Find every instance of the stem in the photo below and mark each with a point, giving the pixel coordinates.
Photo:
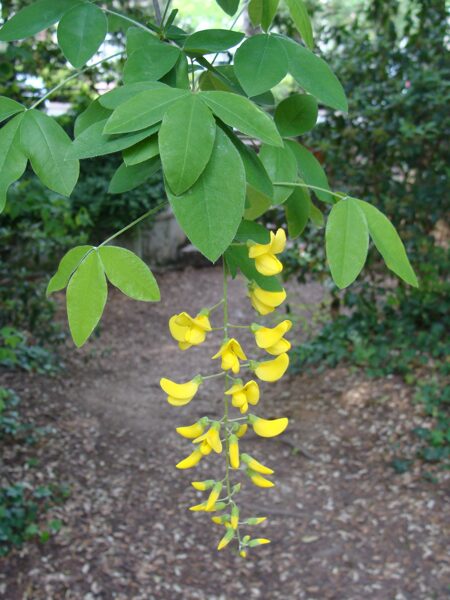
(226, 404)
(235, 20)
(239, 326)
(129, 19)
(216, 305)
(157, 12)
(73, 76)
(150, 212)
(311, 187)
(221, 374)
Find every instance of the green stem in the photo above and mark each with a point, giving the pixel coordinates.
(221, 374)
(150, 212)
(235, 20)
(165, 11)
(239, 326)
(311, 187)
(74, 76)
(226, 398)
(129, 19)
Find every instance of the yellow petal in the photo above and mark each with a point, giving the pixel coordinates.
(180, 391)
(261, 481)
(190, 461)
(177, 331)
(237, 387)
(244, 408)
(273, 299)
(237, 349)
(258, 467)
(269, 336)
(213, 438)
(178, 402)
(205, 448)
(184, 320)
(234, 452)
(184, 345)
(278, 242)
(242, 430)
(268, 265)
(260, 307)
(269, 428)
(239, 399)
(251, 390)
(256, 250)
(280, 347)
(272, 370)
(195, 335)
(230, 362)
(191, 431)
(203, 322)
(226, 539)
(202, 486)
(213, 497)
(198, 507)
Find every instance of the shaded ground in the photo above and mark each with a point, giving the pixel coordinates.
(344, 526)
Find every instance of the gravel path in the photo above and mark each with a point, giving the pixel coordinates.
(344, 525)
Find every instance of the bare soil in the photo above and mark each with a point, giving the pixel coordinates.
(343, 524)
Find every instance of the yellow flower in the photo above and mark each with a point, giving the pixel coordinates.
(271, 370)
(211, 439)
(259, 480)
(242, 430)
(243, 395)
(221, 520)
(264, 254)
(202, 486)
(258, 542)
(234, 522)
(253, 464)
(255, 520)
(214, 496)
(234, 452)
(190, 461)
(271, 338)
(192, 431)
(205, 508)
(189, 331)
(180, 394)
(265, 302)
(226, 538)
(268, 428)
(231, 352)
(243, 554)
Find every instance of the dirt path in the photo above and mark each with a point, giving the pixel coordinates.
(344, 526)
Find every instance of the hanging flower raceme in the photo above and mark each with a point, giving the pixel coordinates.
(264, 254)
(189, 331)
(230, 353)
(225, 435)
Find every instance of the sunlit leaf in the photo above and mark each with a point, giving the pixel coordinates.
(12, 160)
(67, 266)
(310, 170)
(212, 40)
(81, 32)
(129, 274)
(281, 167)
(9, 108)
(300, 16)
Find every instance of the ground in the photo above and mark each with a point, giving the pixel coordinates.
(343, 524)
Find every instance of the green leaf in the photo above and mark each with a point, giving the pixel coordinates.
(347, 241)
(143, 110)
(212, 40)
(93, 142)
(281, 166)
(81, 32)
(86, 298)
(296, 115)
(298, 211)
(178, 76)
(211, 210)
(138, 38)
(66, 268)
(46, 144)
(388, 243)
(12, 160)
(241, 113)
(150, 64)
(229, 6)
(300, 16)
(94, 113)
(129, 273)
(314, 75)
(128, 178)
(310, 170)
(259, 187)
(316, 216)
(249, 230)
(260, 63)
(34, 18)
(186, 140)
(141, 152)
(121, 94)
(9, 107)
(237, 258)
(262, 12)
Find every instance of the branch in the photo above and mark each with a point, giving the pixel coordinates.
(157, 12)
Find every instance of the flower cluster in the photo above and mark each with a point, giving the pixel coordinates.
(224, 436)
